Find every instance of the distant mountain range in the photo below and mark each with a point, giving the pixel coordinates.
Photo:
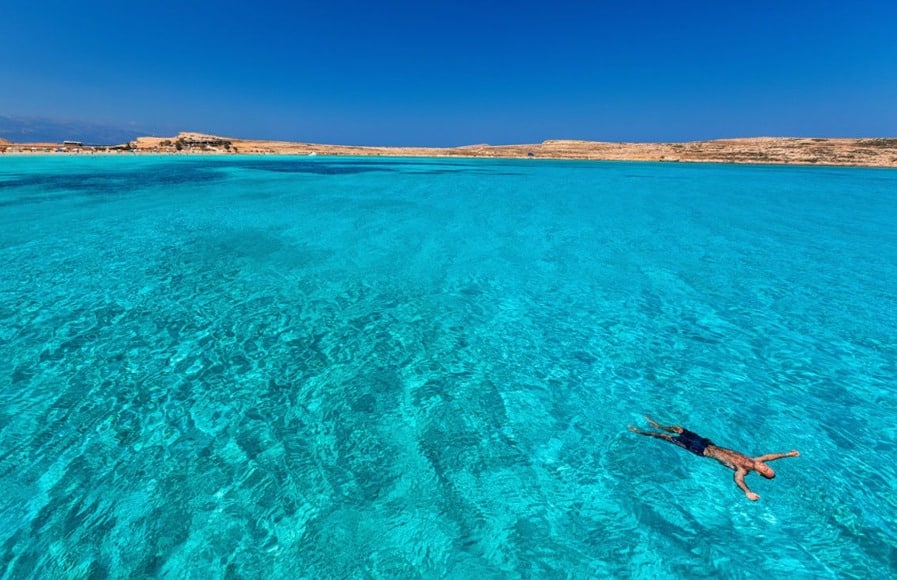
(45, 130)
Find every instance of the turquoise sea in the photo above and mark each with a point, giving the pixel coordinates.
(258, 367)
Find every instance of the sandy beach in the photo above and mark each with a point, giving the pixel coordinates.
(865, 152)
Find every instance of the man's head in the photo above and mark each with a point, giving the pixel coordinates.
(764, 470)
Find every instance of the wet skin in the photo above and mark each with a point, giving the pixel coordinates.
(739, 462)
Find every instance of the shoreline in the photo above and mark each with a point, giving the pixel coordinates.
(856, 152)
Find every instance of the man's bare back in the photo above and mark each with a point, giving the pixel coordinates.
(739, 462)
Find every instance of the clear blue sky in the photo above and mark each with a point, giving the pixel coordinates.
(456, 72)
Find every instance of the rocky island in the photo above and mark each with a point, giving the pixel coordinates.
(866, 152)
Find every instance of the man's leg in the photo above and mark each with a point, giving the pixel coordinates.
(663, 436)
(670, 428)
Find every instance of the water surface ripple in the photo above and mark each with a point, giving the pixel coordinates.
(339, 368)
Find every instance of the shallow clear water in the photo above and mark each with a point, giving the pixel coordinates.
(293, 367)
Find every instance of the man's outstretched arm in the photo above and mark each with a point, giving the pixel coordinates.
(739, 480)
(774, 456)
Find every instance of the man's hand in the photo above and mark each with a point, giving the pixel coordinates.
(752, 496)
(793, 453)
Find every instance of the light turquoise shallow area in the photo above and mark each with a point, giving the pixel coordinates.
(335, 368)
